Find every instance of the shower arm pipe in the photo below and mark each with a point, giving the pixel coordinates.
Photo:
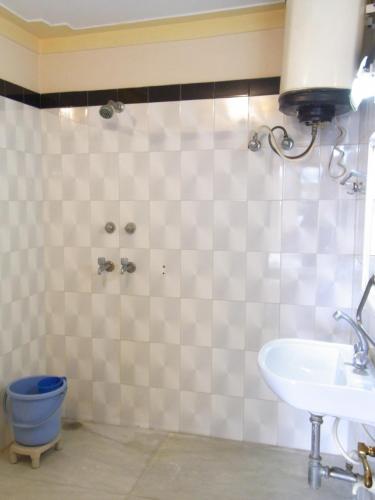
(277, 149)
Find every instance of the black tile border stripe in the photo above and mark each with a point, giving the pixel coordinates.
(160, 93)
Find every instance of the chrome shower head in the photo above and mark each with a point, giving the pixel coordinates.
(107, 110)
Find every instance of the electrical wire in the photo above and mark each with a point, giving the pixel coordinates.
(351, 457)
(342, 168)
(276, 148)
(368, 432)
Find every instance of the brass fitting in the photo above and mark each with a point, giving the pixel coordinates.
(363, 452)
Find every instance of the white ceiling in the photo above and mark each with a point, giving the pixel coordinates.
(79, 14)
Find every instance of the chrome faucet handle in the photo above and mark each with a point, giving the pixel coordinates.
(361, 347)
(124, 265)
(105, 266)
(127, 266)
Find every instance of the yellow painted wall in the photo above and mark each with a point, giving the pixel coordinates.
(245, 55)
(19, 64)
(238, 44)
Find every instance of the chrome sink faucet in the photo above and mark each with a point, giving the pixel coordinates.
(361, 347)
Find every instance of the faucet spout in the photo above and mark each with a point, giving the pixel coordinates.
(361, 348)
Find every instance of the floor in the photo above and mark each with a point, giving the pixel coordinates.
(102, 462)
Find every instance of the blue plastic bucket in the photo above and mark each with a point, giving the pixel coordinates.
(48, 384)
(35, 417)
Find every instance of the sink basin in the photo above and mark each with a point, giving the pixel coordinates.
(318, 377)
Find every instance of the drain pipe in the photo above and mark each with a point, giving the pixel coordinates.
(316, 469)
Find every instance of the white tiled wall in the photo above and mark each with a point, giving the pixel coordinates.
(22, 341)
(232, 249)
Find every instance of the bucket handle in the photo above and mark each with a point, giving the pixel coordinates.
(31, 426)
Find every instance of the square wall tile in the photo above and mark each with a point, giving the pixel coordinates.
(165, 273)
(300, 226)
(135, 318)
(101, 213)
(165, 176)
(229, 324)
(103, 134)
(196, 322)
(135, 363)
(196, 225)
(133, 130)
(195, 413)
(136, 212)
(54, 310)
(107, 282)
(229, 275)
(106, 360)
(78, 320)
(263, 277)
(231, 123)
(336, 227)
(197, 175)
(228, 372)
(227, 415)
(164, 126)
(297, 321)
(334, 279)
(197, 124)
(196, 274)
(196, 369)
(165, 224)
(231, 172)
(263, 110)
(104, 176)
(255, 386)
(165, 320)
(135, 408)
(298, 279)
(137, 283)
(75, 171)
(262, 324)
(76, 223)
(78, 269)
(302, 179)
(106, 402)
(79, 401)
(165, 366)
(79, 358)
(264, 226)
(105, 313)
(265, 175)
(134, 176)
(260, 421)
(164, 409)
(230, 224)
(56, 357)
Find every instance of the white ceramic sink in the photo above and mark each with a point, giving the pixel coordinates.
(318, 377)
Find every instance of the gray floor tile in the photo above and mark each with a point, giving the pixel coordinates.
(190, 467)
(105, 459)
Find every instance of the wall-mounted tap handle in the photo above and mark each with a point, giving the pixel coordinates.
(363, 452)
(105, 266)
(127, 266)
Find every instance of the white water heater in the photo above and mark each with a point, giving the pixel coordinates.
(322, 47)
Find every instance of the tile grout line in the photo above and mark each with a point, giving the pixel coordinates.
(148, 462)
